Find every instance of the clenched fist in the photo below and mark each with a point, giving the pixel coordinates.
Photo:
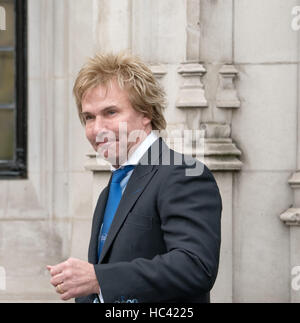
(74, 278)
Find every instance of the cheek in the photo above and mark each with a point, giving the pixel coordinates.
(89, 134)
(135, 123)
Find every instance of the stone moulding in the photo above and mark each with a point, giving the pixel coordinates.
(294, 181)
(222, 155)
(216, 150)
(218, 155)
(227, 97)
(159, 71)
(95, 164)
(191, 93)
(220, 151)
(291, 217)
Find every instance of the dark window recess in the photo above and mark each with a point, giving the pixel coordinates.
(13, 90)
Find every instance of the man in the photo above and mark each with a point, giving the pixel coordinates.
(156, 227)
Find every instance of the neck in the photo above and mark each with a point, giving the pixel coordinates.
(132, 148)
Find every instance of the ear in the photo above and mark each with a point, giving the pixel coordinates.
(146, 121)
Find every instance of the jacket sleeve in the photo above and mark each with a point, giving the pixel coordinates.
(190, 211)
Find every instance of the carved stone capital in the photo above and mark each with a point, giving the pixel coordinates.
(227, 93)
(191, 93)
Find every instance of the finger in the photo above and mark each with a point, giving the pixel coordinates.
(66, 296)
(49, 267)
(57, 269)
(57, 279)
(61, 289)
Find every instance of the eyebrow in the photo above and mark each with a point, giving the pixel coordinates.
(103, 110)
(83, 115)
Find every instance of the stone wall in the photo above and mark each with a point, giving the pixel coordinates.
(240, 61)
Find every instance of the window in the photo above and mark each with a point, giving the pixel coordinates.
(13, 96)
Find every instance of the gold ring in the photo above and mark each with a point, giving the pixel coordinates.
(59, 290)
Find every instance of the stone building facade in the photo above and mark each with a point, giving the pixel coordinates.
(229, 67)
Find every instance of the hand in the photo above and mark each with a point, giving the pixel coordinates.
(74, 278)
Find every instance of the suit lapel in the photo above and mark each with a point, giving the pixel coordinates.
(97, 220)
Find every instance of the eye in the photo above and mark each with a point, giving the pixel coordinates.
(111, 112)
(87, 117)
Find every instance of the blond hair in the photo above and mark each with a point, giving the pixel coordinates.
(145, 93)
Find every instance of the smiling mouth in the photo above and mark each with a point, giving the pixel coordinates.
(103, 143)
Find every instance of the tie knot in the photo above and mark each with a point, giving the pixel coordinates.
(121, 173)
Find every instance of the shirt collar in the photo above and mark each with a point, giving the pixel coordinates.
(140, 151)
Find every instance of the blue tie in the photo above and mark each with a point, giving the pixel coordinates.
(114, 198)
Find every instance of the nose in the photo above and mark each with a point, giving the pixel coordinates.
(101, 132)
(98, 129)
(98, 126)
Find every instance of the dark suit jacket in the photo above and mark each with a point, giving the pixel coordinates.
(164, 242)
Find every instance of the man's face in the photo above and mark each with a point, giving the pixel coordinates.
(113, 127)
